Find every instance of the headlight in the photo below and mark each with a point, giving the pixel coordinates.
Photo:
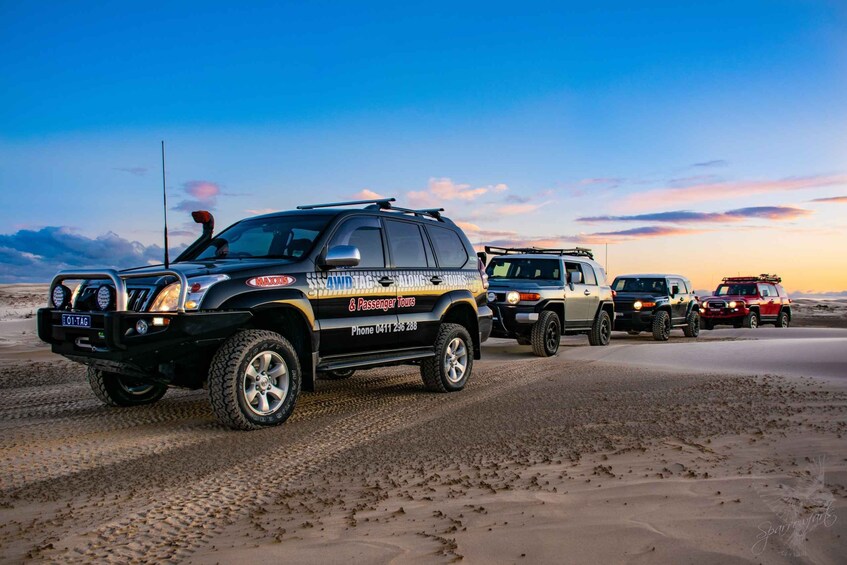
(168, 299)
(513, 297)
(733, 304)
(637, 305)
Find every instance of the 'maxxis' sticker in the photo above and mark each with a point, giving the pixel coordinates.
(271, 281)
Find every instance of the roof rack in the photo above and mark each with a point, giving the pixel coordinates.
(764, 277)
(576, 251)
(379, 204)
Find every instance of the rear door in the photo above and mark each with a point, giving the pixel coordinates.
(357, 305)
(592, 301)
(770, 304)
(418, 283)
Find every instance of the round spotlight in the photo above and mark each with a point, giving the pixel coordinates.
(61, 296)
(141, 327)
(104, 297)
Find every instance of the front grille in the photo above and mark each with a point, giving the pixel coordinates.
(137, 299)
(717, 304)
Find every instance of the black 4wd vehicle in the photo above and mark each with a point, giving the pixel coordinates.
(656, 303)
(258, 311)
(538, 295)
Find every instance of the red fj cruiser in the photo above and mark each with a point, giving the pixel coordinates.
(747, 301)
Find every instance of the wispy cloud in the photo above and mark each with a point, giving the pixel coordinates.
(202, 194)
(261, 211)
(712, 163)
(646, 232)
(367, 194)
(137, 171)
(36, 255)
(833, 199)
(686, 216)
(704, 192)
(441, 189)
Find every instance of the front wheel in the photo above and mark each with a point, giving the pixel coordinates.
(451, 367)
(661, 326)
(692, 326)
(114, 389)
(783, 320)
(601, 329)
(254, 380)
(751, 320)
(546, 334)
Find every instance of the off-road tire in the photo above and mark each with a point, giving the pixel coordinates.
(546, 334)
(228, 370)
(114, 389)
(708, 325)
(601, 329)
(338, 375)
(692, 326)
(434, 371)
(524, 340)
(751, 320)
(783, 320)
(661, 326)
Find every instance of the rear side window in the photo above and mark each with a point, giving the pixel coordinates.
(449, 248)
(365, 233)
(588, 274)
(406, 244)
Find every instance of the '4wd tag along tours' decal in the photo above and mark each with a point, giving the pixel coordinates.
(334, 284)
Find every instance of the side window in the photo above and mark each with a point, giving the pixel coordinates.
(406, 244)
(449, 248)
(679, 284)
(365, 233)
(572, 268)
(763, 291)
(771, 290)
(588, 274)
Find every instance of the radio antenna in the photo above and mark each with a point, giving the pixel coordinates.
(165, 201)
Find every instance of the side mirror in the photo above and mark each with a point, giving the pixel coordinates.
(342, 256)
(674, 290)
(483, 256)
(576, 277)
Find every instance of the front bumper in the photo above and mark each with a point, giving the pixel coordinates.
(723, 314)
(640, 320)
(510, 321)
(112, 342)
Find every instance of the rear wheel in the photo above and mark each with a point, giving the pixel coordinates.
(114, 389)
(546, 334)
(254, 380)
(692, 327)
(601, 330)
(661, 326)
(751, 320)
(783, 320)
(451, 367)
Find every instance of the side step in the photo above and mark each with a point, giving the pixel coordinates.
(337, 362)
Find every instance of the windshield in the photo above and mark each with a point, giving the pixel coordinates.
(281, 237)
(648, 285)
(736, 290)
(533, 269)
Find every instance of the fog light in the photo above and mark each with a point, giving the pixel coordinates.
(492, 297)
(104, 297)
(61, 296)
(702, 310)
(141, 327)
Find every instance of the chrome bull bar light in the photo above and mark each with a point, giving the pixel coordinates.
(119, 280)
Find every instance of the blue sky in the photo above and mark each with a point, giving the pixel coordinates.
(522, 122)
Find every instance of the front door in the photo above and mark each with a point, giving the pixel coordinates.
(577, 297)
(357, 305)
(678, 300)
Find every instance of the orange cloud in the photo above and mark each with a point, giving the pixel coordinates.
(367, 194)
(441, 189)
(724, 190)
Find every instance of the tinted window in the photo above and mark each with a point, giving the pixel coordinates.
(532, 269)
(283, 237)
(680, 286)
(449, 248)
(406, 244)
(588, 274)
(365, 233)
(650, 285)
(736, 290)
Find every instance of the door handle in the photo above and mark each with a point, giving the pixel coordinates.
(386, 281)
(587, 292)
(436, 280)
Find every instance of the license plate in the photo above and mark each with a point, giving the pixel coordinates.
(76, 320)
(715, 310)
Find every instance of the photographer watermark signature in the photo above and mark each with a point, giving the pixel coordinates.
(801, 508)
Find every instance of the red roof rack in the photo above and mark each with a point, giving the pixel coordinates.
(765, 278)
